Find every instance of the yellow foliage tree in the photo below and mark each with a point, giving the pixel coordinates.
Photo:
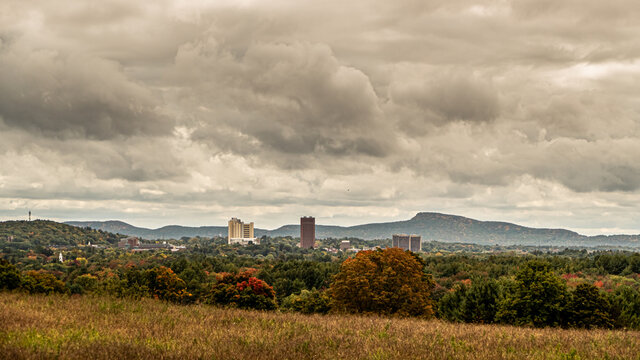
(166, 285)
(390, 281)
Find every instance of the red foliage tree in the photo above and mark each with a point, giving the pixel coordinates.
(242, 290)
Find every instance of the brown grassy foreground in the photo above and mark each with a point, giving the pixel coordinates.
(106, 328)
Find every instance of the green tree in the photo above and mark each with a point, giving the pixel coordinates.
(478, 303)
(292, 276)
(588, 308)
(451, 305)
(307, 302)
(9, 275)
(42, 282)
(87, 282)
(389, 281)
(612, 263)
(481, 302)
(538, 298)
(625, 307)
(132, 282)
(634, 264)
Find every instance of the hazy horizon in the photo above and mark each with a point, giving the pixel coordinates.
(154, 226)
(180, 112)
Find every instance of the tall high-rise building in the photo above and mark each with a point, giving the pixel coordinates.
(247, 230)
(235, 228)
(240, 232)
(407, 242)
(307, 232)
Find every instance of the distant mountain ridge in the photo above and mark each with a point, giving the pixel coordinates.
(165, 232)
(430, 225)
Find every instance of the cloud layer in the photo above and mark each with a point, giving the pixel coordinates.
(186, 112)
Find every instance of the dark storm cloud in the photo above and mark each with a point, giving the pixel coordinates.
(521, 104)
(441, 98)
(74, 96)
(604, 165)
(294, 98)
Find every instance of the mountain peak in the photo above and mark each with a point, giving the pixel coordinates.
(425, 215)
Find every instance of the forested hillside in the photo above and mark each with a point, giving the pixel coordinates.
(45, 233)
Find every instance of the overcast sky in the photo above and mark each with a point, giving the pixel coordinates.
(191, 112)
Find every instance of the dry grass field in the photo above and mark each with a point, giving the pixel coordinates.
(104, 328)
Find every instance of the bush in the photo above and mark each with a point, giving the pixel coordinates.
(76, 289)
(307, 302)
(242, 290)
(87, 282)
(42, 282)
(9, 276)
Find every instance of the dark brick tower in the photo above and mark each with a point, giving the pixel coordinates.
(307, 232)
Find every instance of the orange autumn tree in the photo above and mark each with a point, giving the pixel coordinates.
(390, 281)
(166, 285)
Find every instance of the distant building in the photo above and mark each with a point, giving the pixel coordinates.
(345, 245)
(307, 232)
(149, 247)
(407, 242)
(235, 228)
(241, 233)
(175, 248)
(247, 230)
(129, 242)
(133, 243)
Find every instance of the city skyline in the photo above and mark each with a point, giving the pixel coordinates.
(188, 113)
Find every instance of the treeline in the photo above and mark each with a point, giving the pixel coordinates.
(210, 280)
(571, 289)
(568, 261)
(546, 290)
(535, 296)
